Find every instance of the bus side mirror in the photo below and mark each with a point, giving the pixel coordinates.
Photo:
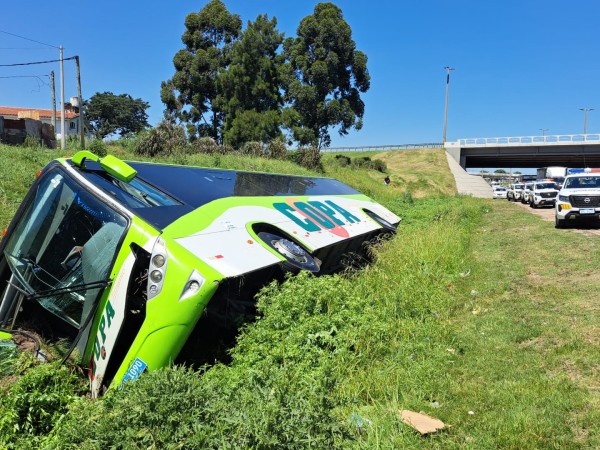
(80, 157)
(110, 164)
(118, 168)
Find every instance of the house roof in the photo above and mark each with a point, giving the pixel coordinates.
(44, 113)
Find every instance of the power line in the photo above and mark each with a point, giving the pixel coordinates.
(27, 39)
(40, 81)
(22, 48)
(37, 62)
(39, 77)
(26, 76)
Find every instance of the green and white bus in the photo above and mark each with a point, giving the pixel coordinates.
(137, 264)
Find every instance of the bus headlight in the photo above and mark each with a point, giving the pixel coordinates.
(156, 276)
(158, 266)
(159, 260)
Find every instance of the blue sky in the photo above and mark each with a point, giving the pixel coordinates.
(521, 65)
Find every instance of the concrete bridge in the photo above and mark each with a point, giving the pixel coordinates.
(569, 150)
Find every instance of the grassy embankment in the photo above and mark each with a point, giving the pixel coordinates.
(478, 313)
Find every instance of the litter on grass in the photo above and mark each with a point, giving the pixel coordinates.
(423, 423)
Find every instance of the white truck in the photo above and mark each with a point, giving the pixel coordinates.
(543, 193)
(552, 173)
(578, 199)
(514, 192)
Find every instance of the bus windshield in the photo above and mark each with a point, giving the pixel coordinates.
(65, 240)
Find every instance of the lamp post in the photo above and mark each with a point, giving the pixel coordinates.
(585, 114)
(543, 130)
(448, 70)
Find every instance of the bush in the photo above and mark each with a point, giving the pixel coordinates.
(252, 148)
(362, 162)
(165, 139)
(309, 157)
(205, 145)
(367, 163)
(31, 142)
(127, 141)
(379, 165)
(98, 148)
(277, 149)
(72, 142)
(35, 403)
(343, 160)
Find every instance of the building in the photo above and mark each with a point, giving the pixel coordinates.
(45, 116)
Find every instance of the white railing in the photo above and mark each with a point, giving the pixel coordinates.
(380, 148)
(530, 140)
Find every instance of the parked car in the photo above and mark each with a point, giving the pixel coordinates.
(499, 192)
(543, 193)
(526, 194)
(514, 192)
(579, 199)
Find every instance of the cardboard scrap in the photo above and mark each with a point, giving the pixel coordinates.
(423, 423)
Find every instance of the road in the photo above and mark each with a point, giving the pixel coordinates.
(547, 213)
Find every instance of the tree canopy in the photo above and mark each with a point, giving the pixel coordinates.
(238, 86)
(191, 95)
(325, 76)
(108, 113)
(249, 89)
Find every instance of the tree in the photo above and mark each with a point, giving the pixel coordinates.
(499, 171)
(249, 90)
(108, 113)
(325, 76)
(190, 96)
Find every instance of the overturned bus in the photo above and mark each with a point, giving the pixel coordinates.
(136, 263)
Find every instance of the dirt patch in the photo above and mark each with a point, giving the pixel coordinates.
(24, 343)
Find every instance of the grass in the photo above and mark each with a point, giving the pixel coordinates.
(478, 313)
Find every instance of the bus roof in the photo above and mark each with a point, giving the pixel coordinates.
(194, 187)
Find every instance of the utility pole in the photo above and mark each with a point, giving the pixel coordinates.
(63, 140)
(585, 114)
(81, 131)
(53, 89)
(448, 69)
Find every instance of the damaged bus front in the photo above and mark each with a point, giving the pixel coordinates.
(137, 263)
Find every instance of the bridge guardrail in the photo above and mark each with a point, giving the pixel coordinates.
(528, 140)
(373, 148)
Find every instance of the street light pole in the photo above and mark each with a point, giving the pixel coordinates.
(585, 114)
(543, 130)
(63, 138)
(448, 69)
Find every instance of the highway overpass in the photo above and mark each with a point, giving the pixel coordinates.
(571, 150)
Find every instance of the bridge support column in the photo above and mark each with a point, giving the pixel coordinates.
(454, 150)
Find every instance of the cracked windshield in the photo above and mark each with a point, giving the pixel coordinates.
(63, 247)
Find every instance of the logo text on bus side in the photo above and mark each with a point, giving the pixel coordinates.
(316, 215)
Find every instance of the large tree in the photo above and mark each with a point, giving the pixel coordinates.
(108, 113)
(325, 76)
(190, 96)
(249, 90)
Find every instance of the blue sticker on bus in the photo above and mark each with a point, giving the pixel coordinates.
(135, 370)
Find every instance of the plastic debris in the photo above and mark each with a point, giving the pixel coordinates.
(359, 422)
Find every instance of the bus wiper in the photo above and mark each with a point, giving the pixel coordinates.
(62, 290)
(68, 289)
